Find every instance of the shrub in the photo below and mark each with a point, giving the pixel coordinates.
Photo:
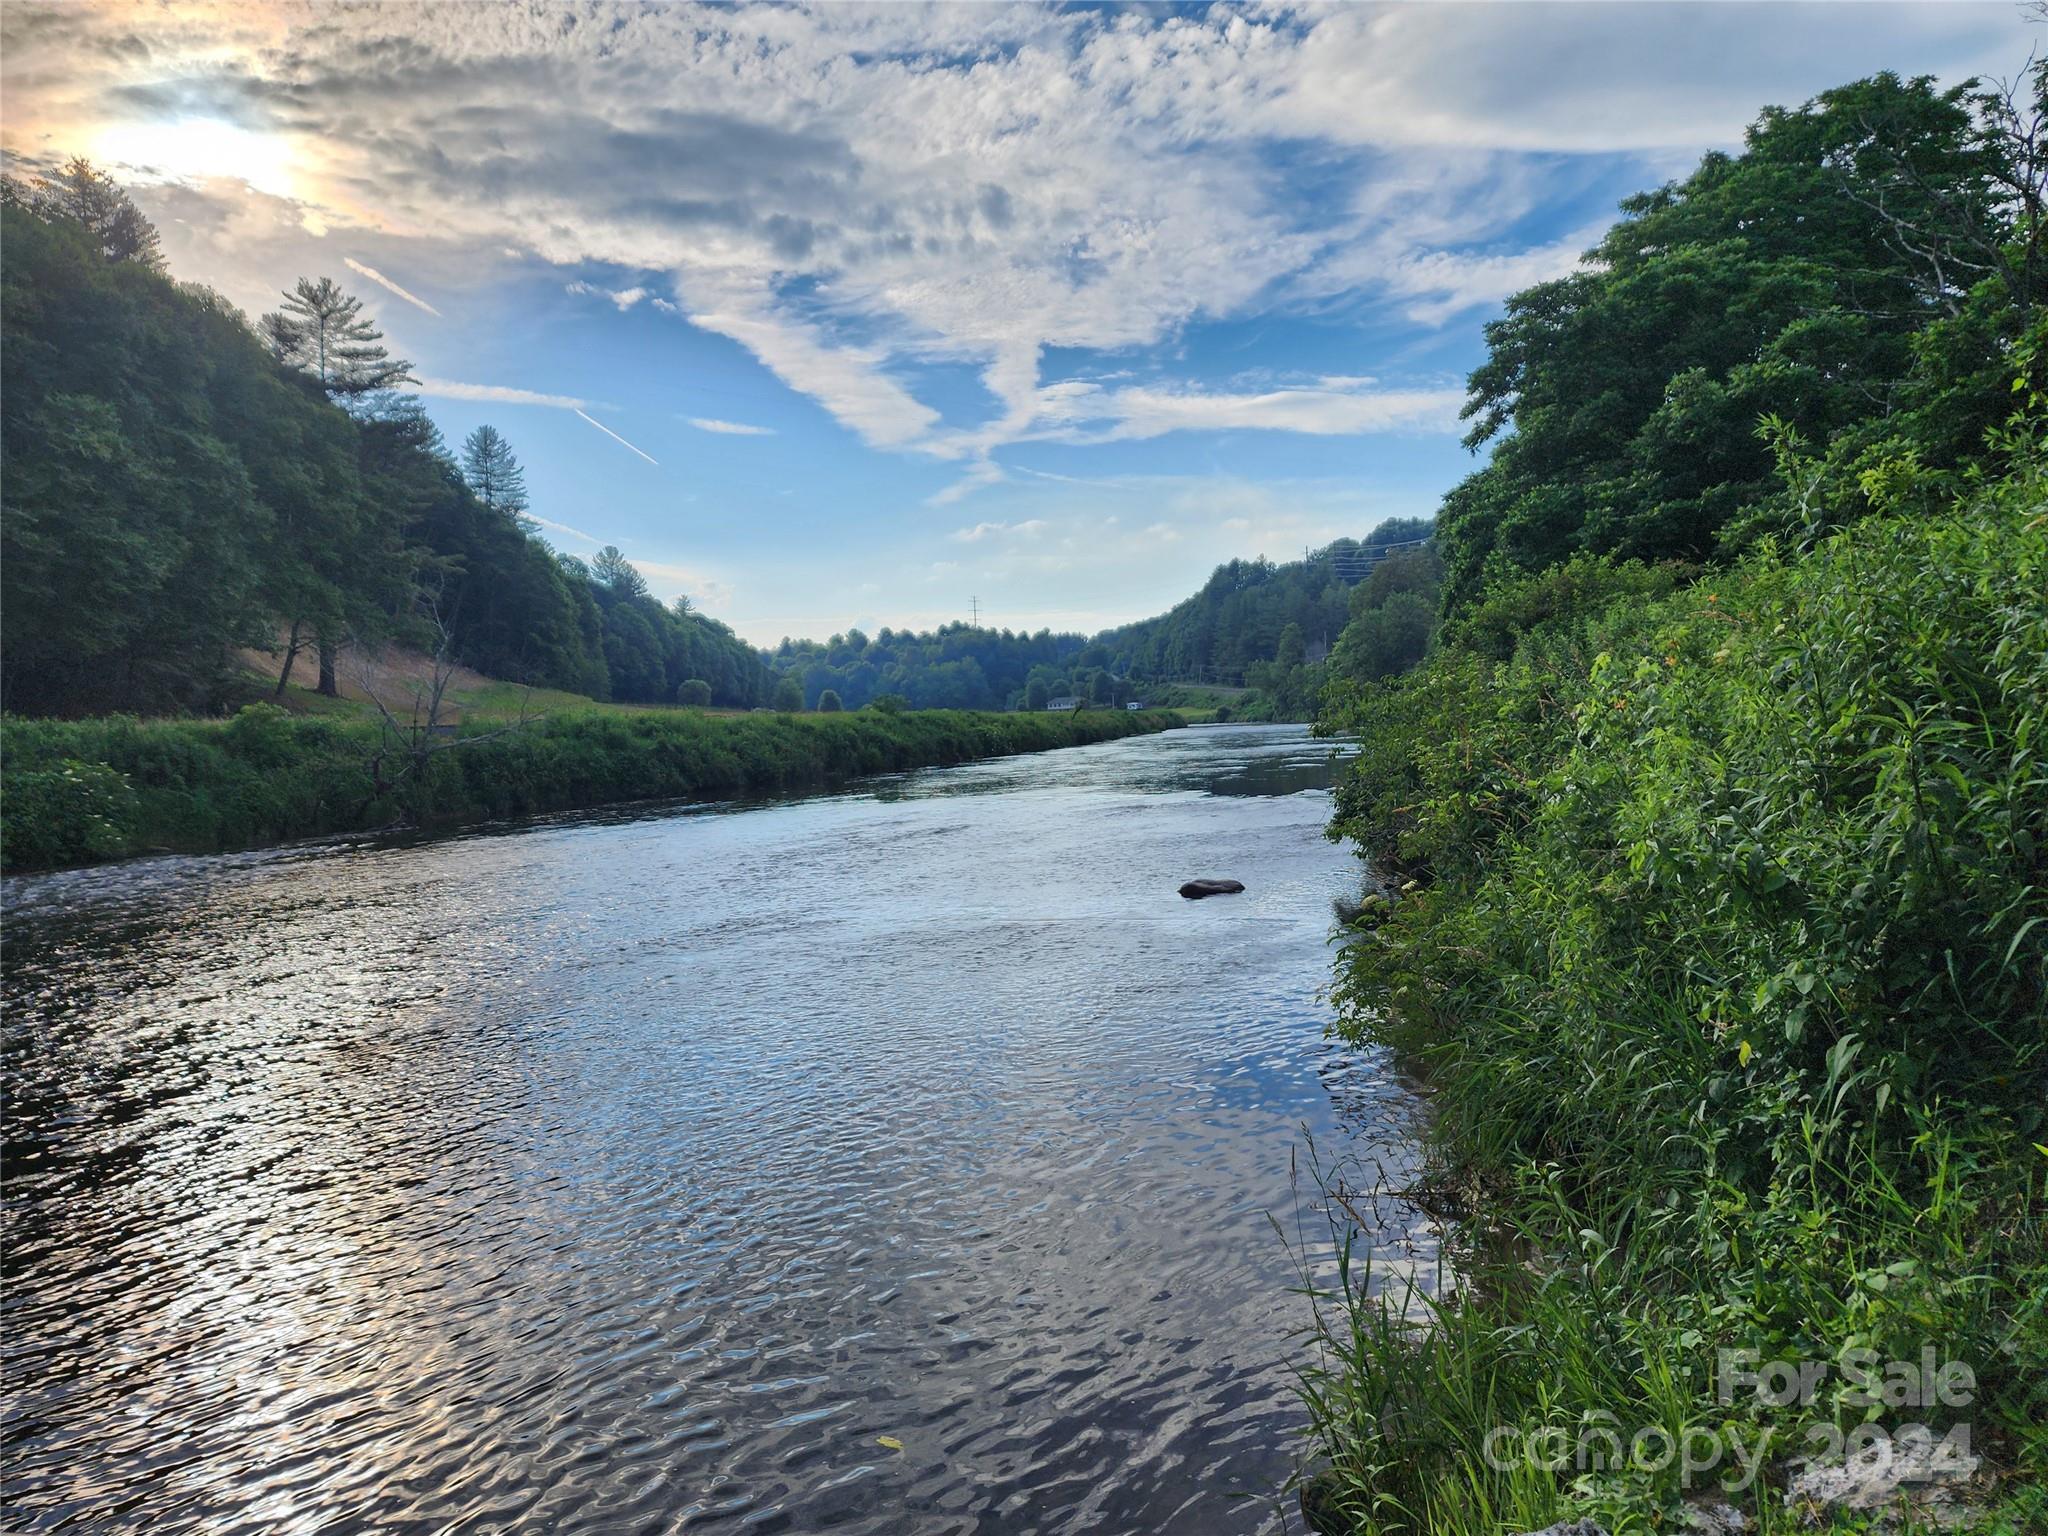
(828, 703)
(71, 813)
(82, 790)
(1727, 967)
(694, 693)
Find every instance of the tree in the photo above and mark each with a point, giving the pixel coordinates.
(1826, 277)
(1290, 649)
(612, 570)
(828, 703)
(493, 474)
(789, 694)
(82, 192)
(320, 331)
(695, 693)
(1036, 694)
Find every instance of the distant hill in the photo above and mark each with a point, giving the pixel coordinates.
(1224, 634)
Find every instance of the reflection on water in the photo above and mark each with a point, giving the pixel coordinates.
(633, 1172)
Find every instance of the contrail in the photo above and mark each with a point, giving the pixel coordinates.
(608, 432)
(384, 282)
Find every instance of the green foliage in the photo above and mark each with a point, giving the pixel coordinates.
(1728, 964)
(1859, 273)
(695, 693)
(828, 703)
(320, 331)
(1393, 615)
(888, 704)
(789, 694)
(83, 195)
(173, 492)
(70, 812)
(1235, 631)
(78, 791)
(1241, 617)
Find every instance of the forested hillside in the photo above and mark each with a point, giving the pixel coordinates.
(180, 484)
(1253, 624)
(1711, 831)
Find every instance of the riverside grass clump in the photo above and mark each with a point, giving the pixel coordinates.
(74, 792)
(1724, 963)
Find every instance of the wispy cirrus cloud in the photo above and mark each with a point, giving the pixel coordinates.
(728, 428)
(363, 270)
(497, 394)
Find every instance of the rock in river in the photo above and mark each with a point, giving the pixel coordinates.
(1195, 890)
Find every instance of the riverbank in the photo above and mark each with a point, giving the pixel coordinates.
(86, 791)
(1720, 942)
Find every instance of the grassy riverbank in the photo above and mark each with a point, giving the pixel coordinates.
(75, 792)
(1725, 958)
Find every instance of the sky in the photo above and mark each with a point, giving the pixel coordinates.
(879, 314)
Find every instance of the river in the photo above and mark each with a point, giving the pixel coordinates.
(903, 1159)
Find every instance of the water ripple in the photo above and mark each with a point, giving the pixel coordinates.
(898, 1159)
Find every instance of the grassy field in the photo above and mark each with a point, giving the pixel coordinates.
(82, 791)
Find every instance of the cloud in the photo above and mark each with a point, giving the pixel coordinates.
(554, 527)
(1029, 528)
(1332, 407)
(624, 298)
(729, 428)
(500, 394)
(608, 432)
(384, 282)
(861, 195)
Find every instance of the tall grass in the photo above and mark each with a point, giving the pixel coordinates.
(78, 791)
(1727, 966)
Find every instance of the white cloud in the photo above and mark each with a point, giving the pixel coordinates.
(1332, 407)
(384, 282)
(554, 527)
(499, 394)
(1029, 528)
(624, 298)
(729, 428)
(854, 194)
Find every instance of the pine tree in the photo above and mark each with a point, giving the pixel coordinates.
(83, 192)
(612, 569)
(320, 330)
(494, 474)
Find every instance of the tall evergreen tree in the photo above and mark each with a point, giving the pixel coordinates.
(494, 475)
(320, 330)
(614, 571)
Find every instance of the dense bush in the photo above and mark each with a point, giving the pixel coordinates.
(80, 791)
(1727, 960)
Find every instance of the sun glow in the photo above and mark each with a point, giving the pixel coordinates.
(198, 149)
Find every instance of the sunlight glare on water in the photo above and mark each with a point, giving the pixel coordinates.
(660, 1169)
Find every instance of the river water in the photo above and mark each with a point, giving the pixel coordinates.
(897, 1160)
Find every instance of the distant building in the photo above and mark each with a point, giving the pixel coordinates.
(1135, 704)
(1064, 701)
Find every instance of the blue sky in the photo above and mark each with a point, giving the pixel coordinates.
(851, 315)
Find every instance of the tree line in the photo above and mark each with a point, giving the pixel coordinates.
(1710, 827)
(1254, 623)
(182, 483)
